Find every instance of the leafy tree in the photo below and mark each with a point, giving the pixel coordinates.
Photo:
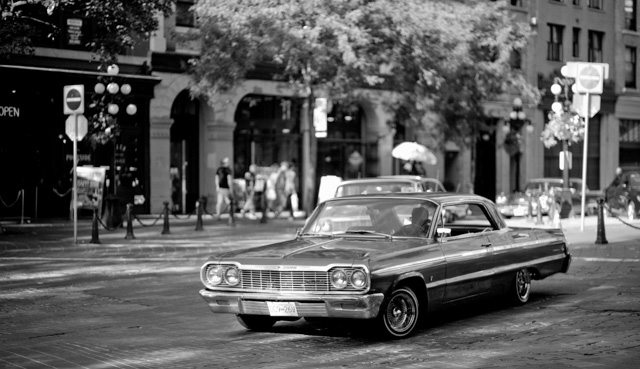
(442, 59)
(117, 22)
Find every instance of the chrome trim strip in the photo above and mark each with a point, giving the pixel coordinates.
(410, 266)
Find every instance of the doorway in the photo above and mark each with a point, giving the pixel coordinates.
(184, 153)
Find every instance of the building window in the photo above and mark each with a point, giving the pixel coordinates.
(554, 46)
(576, 43)
(629, 131)
(630, 63)
(595, 4)
(517, 3)
(576, 2)
(516, 59)
(184, 15)
(595, 46)
(630, 14)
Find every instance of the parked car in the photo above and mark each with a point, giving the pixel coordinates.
(434, 185)
(390, 258)
(429, 184)
(363, 186)
(624, 198)
(517, 203)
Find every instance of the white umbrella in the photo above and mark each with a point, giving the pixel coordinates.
(413, 151)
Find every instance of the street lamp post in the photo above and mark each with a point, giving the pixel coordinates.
(109, 96)
(513, 140)
(565, 126)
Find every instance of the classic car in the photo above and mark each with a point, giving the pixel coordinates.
(390, 258)
(363, 186)
(624, 197)
(548, 190)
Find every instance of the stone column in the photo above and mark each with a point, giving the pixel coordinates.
(160, 162)
(217, 143)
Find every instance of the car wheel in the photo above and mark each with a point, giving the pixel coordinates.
(256, 322)
(631, 211)
(521, 287)
(400, 314)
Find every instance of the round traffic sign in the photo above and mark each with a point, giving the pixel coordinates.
(589, 77)
(73, 99)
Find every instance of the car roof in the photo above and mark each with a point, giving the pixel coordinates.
(413, 177)
(553, 179)
(379, 180)
(438, 197)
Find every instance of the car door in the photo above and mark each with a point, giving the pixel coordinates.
(468, 253)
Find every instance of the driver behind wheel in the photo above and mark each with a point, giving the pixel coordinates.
(419, 223)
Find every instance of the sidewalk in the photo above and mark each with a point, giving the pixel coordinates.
(250, 232)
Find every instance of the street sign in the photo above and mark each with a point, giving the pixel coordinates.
(589, 78)
(73, 99)
(562, 159)
(70, 127)
(580, 105)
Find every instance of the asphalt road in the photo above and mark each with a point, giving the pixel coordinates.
(135, 304)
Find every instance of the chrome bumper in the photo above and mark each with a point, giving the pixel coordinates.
(344, 306)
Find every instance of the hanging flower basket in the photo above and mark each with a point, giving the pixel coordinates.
(562, 126)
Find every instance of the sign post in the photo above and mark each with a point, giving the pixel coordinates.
(589, 80)
(73, 105)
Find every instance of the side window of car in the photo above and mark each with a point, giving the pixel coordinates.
(475, 219)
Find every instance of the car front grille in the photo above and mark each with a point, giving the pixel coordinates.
(273, 280)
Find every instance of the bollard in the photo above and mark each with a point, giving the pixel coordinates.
(94, 228)
(165, 226)
(199, 219)
(129, 215)
(539, 212)
(232, 217)
(529, 208)
(601, 238)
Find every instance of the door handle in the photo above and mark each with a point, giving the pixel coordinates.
(486, 245)
(520, 235)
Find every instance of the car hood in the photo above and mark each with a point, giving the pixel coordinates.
(321, 251)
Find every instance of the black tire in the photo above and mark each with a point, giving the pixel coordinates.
(399, 315)
(520, 287)
(256, 322)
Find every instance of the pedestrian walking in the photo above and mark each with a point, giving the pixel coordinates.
(281, 195)
(250, 184)
(271, 193)
(291, 190)
(224, 183)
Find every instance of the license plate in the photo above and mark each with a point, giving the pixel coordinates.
(277, 308)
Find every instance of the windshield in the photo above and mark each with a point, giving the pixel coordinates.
(374, 187)
(381, 216)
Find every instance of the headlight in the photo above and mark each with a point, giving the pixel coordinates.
(215, 275)
(339, 278)
(232, 276)
(358, 279)
(501, 199)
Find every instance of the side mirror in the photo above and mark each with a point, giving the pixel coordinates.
(298, 231)
(442, 232)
